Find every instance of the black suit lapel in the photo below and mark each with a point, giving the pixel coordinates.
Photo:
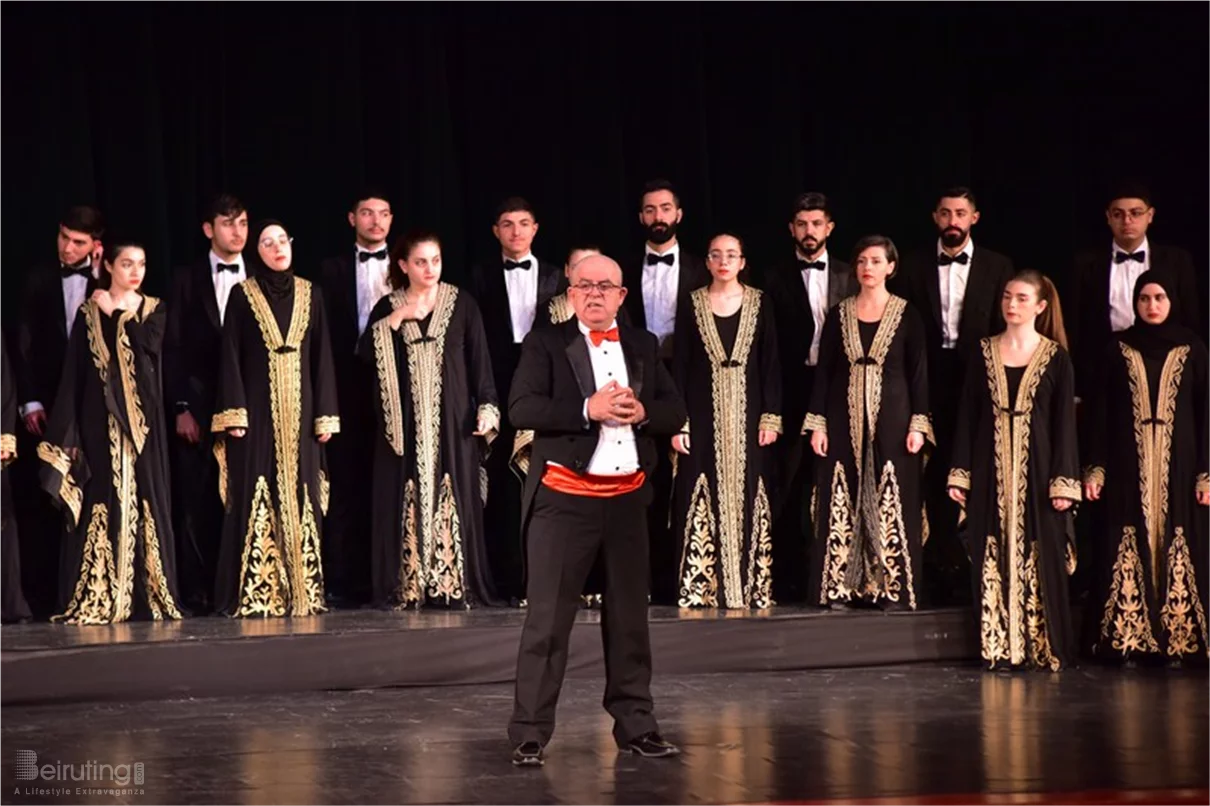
(348, 267)
(203, 286)
(634, 362)
(548, 281)
(839, 276)
(577, 355)
(633, 280)
(932, 287)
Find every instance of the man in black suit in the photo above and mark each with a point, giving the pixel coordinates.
(659, 284)
(803, 291)
(352, 284)
(197, 304)
(52, 296)
(1104, 278)
(597, 398)
(512, 293)
(956, 288)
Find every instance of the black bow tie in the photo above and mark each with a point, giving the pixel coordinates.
(381, 254)
(653, 258)
(509, 265)
(1122, 257)
(222, 267)
(944, 260)
(83, 268)
(813, 265)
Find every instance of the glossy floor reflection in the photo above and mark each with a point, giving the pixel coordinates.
(920, 733)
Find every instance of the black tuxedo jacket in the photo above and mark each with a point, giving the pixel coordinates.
(1088, 325)
(693, 275)
(920, 284)
(488, 288)
(796, 328)
(554, 377)
(337, 279)
(193, 341)
(42, 336)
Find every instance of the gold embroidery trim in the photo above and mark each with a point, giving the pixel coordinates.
(159, 595)
(263, 584)
(1064, 487)
(923, 424)
(446, 571)
(327, 424)
(894, 552)
(130, 390)
(69, 491)
(865, 382)
(814, 422)
(758, 589)
(122, 458)
(1126, 624)
(1095, 475)
(560, 309)
(1040, 653)
(699, 580)
(770, 422)
(92, 600)
(490, 414)
(229, 418)
(729, 392)
(325, 492)
(1182, 615)
(959, 478)
(220, 456)
(993, 619)
(838, 541)
(522, 450)
(409, 586)
(388, 378)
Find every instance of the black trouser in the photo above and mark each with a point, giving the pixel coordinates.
(792, 525)
(947, 570)
(346, 537)
(40, 527)
(197, 518)
(565, 535)
(502, 518)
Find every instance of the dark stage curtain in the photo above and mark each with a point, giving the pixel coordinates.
(144, 109)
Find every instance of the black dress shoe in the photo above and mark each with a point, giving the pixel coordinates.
(651, 745)
(528, 754)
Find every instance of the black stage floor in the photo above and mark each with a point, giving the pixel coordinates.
(359, 649)
(927, 733)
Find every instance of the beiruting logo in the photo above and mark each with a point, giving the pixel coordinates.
(27, 769)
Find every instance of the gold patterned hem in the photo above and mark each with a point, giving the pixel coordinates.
(69, 492)
(327, 425)
(814, 422)
(1040, 653)
(229, 418)
(409, 586)
(388, 378)
(92, 601)
(1202, 484)
(758, 592)
(1095, 474)
(1182, 615)
(1126, 624)
(159, 595)
(446, 572)
(325, 492)
(522, 442)
(220, 458)
(993, 618)
(959, 478)
(838, 541)
(1064, 487)
(770, 422)
(894, 552)
(263, 584)
(699, 579)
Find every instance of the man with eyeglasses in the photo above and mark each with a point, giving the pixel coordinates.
(597, 400)
(1105, 277)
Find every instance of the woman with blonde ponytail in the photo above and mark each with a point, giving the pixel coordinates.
(1015, 475)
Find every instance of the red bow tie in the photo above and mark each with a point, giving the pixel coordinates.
(598, 336)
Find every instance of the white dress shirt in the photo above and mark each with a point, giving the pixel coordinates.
(1122, 277)
(224, 281)
(816, 283)
(660, 285)
(373, 283)
(522, 285)
(75, 288)
(953, 293)
(616, 453)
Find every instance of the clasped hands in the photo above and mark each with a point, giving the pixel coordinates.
(617, 405)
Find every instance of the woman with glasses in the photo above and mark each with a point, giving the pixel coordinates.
(275, 409)
(869, 420)
(727, 368)
(437, 418)
(105, 455)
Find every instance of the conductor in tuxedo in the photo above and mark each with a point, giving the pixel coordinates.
(659, 283)
(197, 305)
(803, 290)
(597, 398)
(513, 292)
(956, 289)
(1104, 281)
(51, 297)
(352, 284)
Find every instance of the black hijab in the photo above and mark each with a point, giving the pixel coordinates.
(275, 284)
(1156, 341)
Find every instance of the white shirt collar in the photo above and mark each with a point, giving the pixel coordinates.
(968, 250)
(215, 260)
(585, 329)
(1143, 247)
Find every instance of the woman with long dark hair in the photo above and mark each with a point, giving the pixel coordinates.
(1015, 474)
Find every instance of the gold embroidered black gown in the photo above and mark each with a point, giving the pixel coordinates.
(729, 370)
(870, 390)
(106, 467)
(13, 606)
(433, 381)
(1015, 450)
(277, 380)
(1147, 446)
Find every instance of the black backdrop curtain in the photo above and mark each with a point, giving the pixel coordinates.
(145, 109)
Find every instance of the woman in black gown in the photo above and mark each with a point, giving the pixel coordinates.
(869, 422)
(13, 606)
(276, 408)
(437, 417)
(1148, 457)
(106, 455)
(726, 365)
(1014, 473)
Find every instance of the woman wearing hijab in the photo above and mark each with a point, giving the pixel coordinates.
(276, 408)
(105, 455)
(1148, 458)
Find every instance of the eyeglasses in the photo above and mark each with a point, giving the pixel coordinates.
(724, 257)
(284, 240)
(603, 288)
(1138, 212)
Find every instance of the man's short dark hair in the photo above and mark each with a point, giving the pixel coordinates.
(958, 192)
(224, 205)
(1129, 190)
(515, 204)
(811, 201)
(83, 218)
(656, 185)
(365, 194)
